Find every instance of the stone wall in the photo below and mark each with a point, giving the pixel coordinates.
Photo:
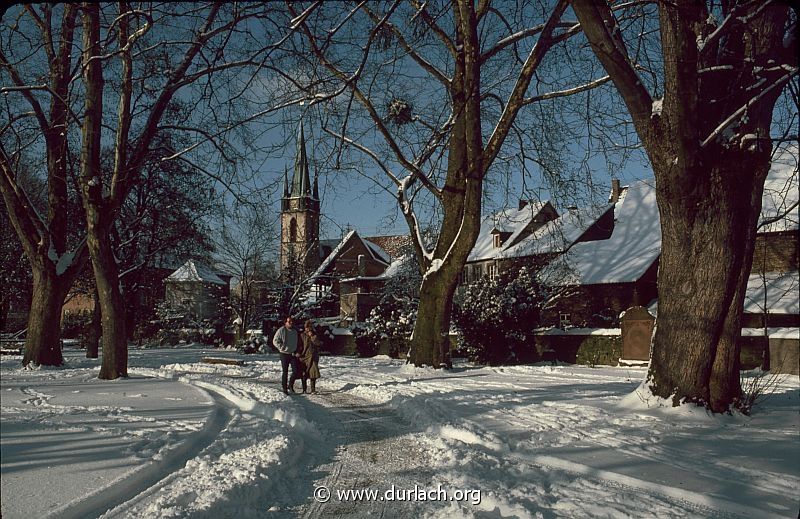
(776, 252)
(784, 355)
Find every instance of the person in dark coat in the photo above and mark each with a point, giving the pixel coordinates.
(309, 356)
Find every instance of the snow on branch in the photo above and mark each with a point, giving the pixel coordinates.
(739, 112)
(734, 15)
(568, 92)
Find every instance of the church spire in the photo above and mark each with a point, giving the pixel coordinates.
(300, 179)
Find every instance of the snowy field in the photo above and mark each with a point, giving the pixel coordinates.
(181, 438)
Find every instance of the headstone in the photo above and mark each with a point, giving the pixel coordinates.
(784, 355)
(637, 329)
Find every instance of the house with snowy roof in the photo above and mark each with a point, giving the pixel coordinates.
(197, 290)
(608, 276)
(502, 230)
(533, 235)
(351, 273)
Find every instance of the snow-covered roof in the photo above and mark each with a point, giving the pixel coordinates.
(334, 253)
(781, 193)
(512, 221)
(376, 252)
(193, 271)
(632, 248)
(556, 235)
(781, 292)
(396, 266)
(778, 332)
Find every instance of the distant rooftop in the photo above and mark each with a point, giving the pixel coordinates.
(194, 271)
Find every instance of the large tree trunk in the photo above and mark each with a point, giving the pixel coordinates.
(461, 201)
(95, 329)
(43, 340)
(99, 210)
(708, 142)
(112, 306)
(708, 238)
(430, 341)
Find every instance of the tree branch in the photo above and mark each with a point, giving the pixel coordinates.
(516, 99)
(599, 26)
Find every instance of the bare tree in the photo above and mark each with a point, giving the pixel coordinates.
(244, 247)
(431, 95)
(725, 64)
(30, 126)
(205, 55)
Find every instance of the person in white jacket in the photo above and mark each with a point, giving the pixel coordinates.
(285, 341)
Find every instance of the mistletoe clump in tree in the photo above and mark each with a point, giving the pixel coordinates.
(497, 317)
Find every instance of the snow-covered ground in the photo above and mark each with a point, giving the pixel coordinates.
(181, 438)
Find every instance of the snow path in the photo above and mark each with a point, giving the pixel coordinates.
(374, 449)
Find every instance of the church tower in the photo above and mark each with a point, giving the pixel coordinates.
(299, 219)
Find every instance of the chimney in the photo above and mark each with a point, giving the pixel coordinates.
(615, 189)
(522, 204)
(362, 265)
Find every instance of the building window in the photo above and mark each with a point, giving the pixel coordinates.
(564, 320)
(292, 230)
(492, 270)
(497, 242)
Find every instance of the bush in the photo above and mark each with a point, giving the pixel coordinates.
(596, 351)
(365, 346)
(75, 325)
(497, 318)
(391, 321)
(254, 344)
(175, 326)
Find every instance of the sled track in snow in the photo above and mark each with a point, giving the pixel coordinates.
(152, 473)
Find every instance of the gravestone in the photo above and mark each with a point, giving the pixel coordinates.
(637, 328)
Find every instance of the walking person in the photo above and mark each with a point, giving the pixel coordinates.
(309, 356)
(285, 341)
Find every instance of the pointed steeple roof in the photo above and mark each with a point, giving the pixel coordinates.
(300, 179)
(285, 183)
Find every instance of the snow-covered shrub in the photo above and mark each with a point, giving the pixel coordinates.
(392, 321)
(254, 344)
(497, 318)
(176, 326)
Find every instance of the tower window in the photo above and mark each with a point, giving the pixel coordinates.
(293, 230)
